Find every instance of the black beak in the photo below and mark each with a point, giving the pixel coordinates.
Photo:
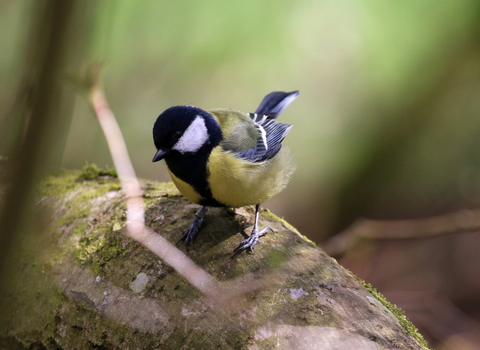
(159, 155)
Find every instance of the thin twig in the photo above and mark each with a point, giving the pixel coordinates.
(136, 228)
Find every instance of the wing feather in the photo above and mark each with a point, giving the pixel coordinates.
(269, 142)
(270, 132)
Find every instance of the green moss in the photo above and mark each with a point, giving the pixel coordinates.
(115, 187)
(83, 203)
(269, 215)
(399, 314)
(98, 252)
(58, 184)
(277, 258)
(99, 242)
(92, 171)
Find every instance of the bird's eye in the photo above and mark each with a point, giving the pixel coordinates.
(177, 134)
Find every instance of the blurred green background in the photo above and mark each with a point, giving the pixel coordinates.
(387, 120)
(387, 125)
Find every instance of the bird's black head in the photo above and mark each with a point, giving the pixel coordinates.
(184, 130)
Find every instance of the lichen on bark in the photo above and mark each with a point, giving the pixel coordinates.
(84, 284)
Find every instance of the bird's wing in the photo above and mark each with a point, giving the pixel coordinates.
(270, 136)
(238, 130)
(270, 132)
(262, 139)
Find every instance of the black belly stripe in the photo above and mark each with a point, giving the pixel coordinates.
(193, 170)
(211, 202)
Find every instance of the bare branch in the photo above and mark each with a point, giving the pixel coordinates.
(459, 222)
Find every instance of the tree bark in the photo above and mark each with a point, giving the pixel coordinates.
(78, 282)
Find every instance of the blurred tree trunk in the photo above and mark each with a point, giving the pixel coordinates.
(80, 283)
(40, 114)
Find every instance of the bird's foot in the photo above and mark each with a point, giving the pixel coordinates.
(192, 231)
(250, 242)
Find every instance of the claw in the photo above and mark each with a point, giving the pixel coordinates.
(192, 231)
(251, 241)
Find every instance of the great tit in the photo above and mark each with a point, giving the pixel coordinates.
(224, 157)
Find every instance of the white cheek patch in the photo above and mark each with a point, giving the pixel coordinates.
(193, 138)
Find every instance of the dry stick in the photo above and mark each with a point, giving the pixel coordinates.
(136, 228)
(459, 222)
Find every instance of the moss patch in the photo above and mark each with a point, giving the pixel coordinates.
(269, 215)
(92, 171)
(399, 314)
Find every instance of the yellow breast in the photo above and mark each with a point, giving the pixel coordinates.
(237, 183)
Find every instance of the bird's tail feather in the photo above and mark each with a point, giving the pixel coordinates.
(275, 102)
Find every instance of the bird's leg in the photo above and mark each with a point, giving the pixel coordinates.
(192, 231)
(250, 242)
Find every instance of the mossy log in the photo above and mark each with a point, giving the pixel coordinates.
(84, 284)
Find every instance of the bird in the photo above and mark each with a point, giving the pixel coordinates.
(226, 158)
